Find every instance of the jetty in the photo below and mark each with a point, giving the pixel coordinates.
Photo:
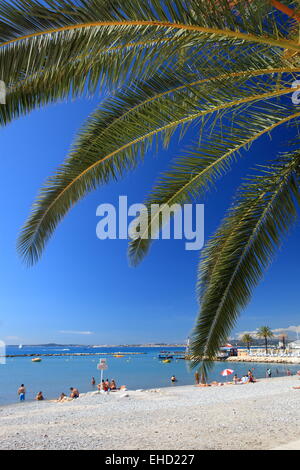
(73, 354)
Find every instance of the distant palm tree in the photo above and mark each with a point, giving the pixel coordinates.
(224, 67)
(247, 339)
(266, 333)
(283, 340)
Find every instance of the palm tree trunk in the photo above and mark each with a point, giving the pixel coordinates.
(266, 343)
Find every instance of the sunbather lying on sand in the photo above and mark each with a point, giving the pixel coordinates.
(62, 398)
(74, 392)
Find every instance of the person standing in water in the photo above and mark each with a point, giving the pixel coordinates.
(93, 381)
(21, 392)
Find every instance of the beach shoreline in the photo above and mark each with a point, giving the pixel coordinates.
(264, 415)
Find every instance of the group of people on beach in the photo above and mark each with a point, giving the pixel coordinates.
(110, 385)
(105, 385)
(246, 379)
(74, 393)
(22, 393)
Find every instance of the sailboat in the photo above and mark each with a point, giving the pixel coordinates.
(20, 346)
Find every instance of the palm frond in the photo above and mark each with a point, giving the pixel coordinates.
(242, 249)
(119, 134)
(50, 49)
(34, 35)
(249, 20)
(196, 172)
(86, 73)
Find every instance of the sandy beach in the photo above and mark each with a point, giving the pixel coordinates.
(264, 415)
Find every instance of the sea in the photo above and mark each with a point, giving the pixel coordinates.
(56, 374)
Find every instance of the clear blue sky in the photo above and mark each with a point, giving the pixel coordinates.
(83, 284)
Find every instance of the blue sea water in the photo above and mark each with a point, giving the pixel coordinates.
(56, 374)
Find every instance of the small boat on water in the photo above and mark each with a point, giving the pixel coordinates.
(222, 356)
(118, 355)
(36, 359)
(166, 361)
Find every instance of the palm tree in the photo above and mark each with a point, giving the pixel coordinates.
(247, 339)
(283, 338)
(265, 332)
(225, 67)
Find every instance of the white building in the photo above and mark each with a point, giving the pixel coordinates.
(294, 344)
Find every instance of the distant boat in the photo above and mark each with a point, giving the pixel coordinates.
(36, 359)
(118, 355)
(20, 346)
(222, 356)
(166, 361)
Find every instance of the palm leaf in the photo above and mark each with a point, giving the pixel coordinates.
(61, 46)
(243, 247)
(87, 73)
(121, 132)
(249, 21)
(193, 174)
(34, 36)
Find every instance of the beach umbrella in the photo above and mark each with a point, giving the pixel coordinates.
(228, 345)
(226, 372)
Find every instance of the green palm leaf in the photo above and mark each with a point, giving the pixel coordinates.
(48, 50)
(249, 21)
(243, 247)
(33, 36)
(110, 67)
(193, 174)
(122, 131)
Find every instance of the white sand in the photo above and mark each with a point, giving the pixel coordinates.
(265, 415)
